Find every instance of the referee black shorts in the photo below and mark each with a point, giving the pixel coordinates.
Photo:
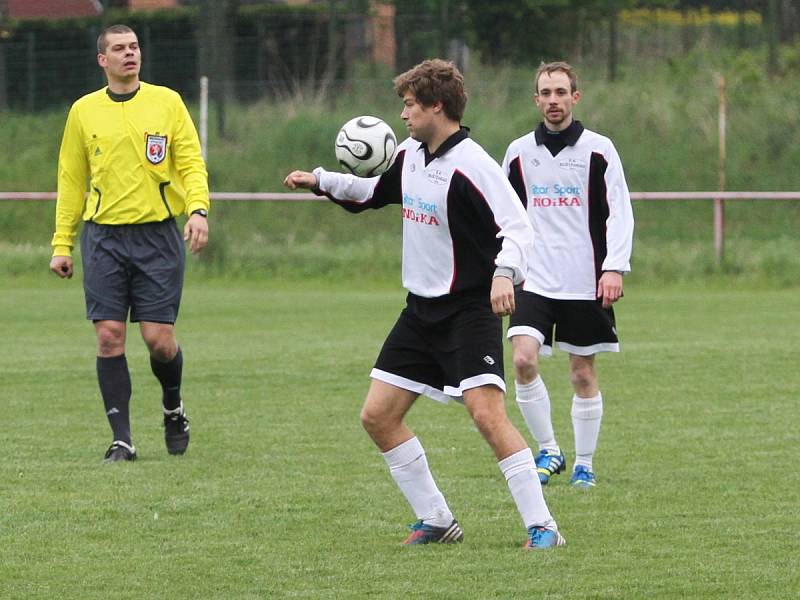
(136, 269)
(581, 327)
(443, 358)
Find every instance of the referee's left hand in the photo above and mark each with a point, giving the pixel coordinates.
(196, 233)
(502, 296)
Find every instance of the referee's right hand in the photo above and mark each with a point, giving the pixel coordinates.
(61, 266)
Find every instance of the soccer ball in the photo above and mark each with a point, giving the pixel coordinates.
(365, 146)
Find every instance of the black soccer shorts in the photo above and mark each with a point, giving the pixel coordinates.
(133, 268)
(581, 327)
(442, 359)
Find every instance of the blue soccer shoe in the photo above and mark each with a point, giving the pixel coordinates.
(549, 463)
(583, 477)
(540, 538)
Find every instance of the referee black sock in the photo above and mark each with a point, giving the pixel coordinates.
(115, 387)
(169, 375)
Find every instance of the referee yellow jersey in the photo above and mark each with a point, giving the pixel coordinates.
(141, 156)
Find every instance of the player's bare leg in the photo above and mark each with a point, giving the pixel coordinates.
(525, 349)
(533, 401)
(160, 340)
(382, 417)
(583, 375)
(382, 414)
(487, 407)
(110, 337)
(587, 413)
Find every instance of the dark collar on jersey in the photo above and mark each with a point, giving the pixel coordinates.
(556, 141)
(458, 136)
(122, 97)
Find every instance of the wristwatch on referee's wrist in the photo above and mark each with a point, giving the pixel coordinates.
(200, 211)
(614, 271)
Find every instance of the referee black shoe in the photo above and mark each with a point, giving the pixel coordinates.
(176, 432)
(119, 451)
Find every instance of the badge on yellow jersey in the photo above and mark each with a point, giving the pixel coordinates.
(155, 148)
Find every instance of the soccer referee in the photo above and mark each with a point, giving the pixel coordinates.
(136, 145)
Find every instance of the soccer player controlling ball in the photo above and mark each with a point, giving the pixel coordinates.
(465, 238)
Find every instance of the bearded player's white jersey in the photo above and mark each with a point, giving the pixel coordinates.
(461, 217)
(580, 209)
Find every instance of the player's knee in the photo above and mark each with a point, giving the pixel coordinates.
(110, 338)
(371, 420)
(526, 365)
(583, 377)
(162, 347)
(160, 351)
(488, 419)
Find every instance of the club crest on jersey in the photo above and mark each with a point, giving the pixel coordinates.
(436, 177)
(573, 164)
(155, 148)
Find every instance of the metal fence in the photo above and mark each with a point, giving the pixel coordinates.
(44, 63)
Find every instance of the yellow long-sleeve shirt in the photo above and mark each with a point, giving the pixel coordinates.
(141, 157)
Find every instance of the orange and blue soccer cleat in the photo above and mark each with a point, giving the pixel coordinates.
(421, 533)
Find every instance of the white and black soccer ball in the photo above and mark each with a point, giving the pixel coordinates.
(365, 146)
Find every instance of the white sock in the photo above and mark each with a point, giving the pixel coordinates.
(586, 416)
(520, 473)
(534, 404)
(409, 469)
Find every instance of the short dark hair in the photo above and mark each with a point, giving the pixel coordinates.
(102, 44)
(433, 81)
(555, 67)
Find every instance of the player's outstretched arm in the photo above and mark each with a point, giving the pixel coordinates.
(61, 266)
(301, 179)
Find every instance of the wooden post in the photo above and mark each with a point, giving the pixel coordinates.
(4, 34)
(260, 67)
(3, 84)
(30, 57)
(149, 55)
(719, 203)
(444, 37)
(772, 37)
(612, 39)
(95, 75)
(204, 116)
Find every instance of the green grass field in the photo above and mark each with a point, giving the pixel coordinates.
(282, 495)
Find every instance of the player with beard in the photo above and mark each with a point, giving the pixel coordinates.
(571, 182)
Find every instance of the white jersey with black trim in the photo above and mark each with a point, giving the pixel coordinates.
(580, 208)
(461, 217)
